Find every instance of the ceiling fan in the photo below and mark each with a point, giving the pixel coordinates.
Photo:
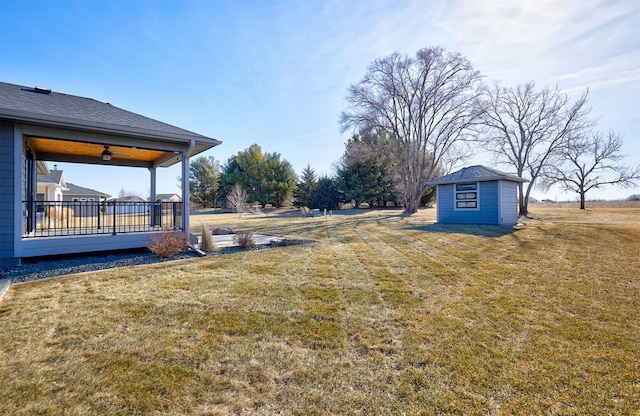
(108, 154)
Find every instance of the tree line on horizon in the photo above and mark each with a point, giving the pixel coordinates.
(414, 118)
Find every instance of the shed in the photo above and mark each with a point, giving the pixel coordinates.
(477, 195)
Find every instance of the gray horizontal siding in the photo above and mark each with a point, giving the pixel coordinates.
(7, 171)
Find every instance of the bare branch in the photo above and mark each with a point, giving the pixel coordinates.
(237, 198)
(591, 161)
(426, 105)
(527, 129)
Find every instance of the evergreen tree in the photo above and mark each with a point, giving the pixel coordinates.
(325, 195)
(365, 174)
(265, 176)
(305, 187)
(204, 175)
(280, 180)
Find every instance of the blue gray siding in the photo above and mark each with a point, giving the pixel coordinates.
(7, 192)
(497, 204)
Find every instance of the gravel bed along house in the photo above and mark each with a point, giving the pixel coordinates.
(53, 266)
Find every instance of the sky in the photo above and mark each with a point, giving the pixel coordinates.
(276, 72)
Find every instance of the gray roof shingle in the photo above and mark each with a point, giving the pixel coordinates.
(21, 101)
(54, 176)
(476, 173)
(80, 190)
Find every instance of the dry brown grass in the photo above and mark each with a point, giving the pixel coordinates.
(386, 314)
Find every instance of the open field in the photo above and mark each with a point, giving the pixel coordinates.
(385, 314)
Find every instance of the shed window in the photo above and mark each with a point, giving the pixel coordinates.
(467, 196)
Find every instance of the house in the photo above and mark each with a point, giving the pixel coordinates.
(477, 195)
(129, 204)
(53, 191)
(83, 202)
(168, 198)
(51, 186)
(78, 193)
(38, 125)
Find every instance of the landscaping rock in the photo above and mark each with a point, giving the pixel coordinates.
(222, 231)
(282, 242)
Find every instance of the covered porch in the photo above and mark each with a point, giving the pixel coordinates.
(40, 126)
(64, 227)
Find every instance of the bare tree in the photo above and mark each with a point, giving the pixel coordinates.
(424, 105)
(237, 198)
(590, 161)
(526, 128)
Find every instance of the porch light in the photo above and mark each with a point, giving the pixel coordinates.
(106, 154)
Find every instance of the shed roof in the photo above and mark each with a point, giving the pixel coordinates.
(476, 173)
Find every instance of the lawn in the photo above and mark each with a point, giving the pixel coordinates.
(384, 315)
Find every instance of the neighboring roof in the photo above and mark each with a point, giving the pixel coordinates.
(54, 176)
(129, 198)
(42, 167)
(476, 173)
(167, 196)
(79, 190)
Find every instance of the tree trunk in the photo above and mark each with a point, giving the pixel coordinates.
(411, 205)
(582, 197)
(522, 207)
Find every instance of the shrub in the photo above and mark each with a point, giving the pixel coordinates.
(244, 239)
(168, 244)
(206, 243)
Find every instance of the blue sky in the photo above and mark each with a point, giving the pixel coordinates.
(276, 72)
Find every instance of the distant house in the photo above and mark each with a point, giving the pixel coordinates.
(57, 195)
(39, 125)
(84, 202)
(130, 204)
(78, 193)
(477, 195)
(51, 186)
(168, 198)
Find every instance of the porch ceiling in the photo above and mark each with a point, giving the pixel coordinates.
(66, 147)
(59, 150)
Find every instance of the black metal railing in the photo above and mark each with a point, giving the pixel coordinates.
(62, 218)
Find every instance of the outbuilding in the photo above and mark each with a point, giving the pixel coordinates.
(477, 195)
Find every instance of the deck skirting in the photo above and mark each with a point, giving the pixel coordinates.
(47, 246)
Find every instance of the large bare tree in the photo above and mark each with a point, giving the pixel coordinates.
(590, 161)
(526, 128)
(424, 105)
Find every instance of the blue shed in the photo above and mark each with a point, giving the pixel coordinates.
(477, 195)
